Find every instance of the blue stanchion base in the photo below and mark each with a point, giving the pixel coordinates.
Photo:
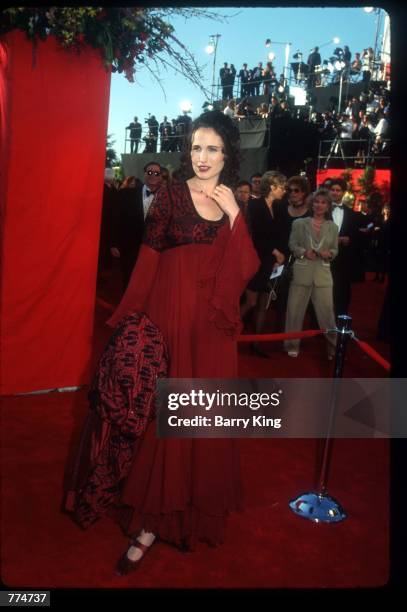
(318, 507)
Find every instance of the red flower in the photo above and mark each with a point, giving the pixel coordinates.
(143, 36)
(80, 38)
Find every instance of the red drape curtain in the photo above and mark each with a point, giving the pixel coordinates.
(54, 111)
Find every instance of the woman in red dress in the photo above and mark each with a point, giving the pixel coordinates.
(194, 263)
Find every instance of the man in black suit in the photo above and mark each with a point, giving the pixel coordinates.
(244, 75)
(135, 134)
(224, 74)
(131, 214)
(314, 59)
(256, 79)
(230, 81)
(345, 266)
(165, 133)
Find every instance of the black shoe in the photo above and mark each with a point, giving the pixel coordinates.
(125, 565)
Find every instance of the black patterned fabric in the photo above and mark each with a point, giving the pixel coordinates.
(123, 390)
(173, 221)
(102, 488)
(122, 403)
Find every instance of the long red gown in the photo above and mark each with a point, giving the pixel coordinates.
(189, 277)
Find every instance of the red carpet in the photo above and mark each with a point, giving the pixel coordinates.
(267, 546)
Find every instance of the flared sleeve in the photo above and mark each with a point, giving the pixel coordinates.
(144, 272)
(238, 265)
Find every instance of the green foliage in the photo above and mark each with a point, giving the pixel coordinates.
(368, 188)
(347, 176)
(126, 36)
(111, 155)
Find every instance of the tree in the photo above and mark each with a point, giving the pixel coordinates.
(128, 37)
(369, 192)
(111, 155)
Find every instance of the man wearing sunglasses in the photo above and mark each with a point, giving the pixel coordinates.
(255, 181)
(131, 217)
(152, 182)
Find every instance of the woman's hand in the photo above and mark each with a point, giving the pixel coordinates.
(225, 199)
(325, 255)
(280, 257)
(115, 252)
(310, 254)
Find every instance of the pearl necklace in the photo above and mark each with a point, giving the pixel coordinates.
(316, 223)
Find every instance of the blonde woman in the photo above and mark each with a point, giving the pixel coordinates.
(314, 243)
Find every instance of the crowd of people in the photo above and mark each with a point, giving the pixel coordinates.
(170, 133)
(263, 80)
(358, 133)
(270, 203)
(362, 128)
(253, 82)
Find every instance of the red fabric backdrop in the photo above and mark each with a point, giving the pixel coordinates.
(54, 121)
(382, 179)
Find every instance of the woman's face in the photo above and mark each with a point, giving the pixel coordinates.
(320, 205)
(295, 195)
(278, 190)
(207, 154)
(337, 193)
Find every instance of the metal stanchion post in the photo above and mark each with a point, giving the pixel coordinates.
(319, 506)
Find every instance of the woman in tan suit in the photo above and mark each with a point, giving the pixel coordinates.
(314, 243)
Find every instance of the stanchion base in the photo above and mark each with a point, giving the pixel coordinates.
(318, 508)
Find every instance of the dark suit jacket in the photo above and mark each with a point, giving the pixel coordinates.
(347, 263)
(224, 73)
(314, 59)
(244, 76)
(263, 229)
(130, 221)
(135, 130)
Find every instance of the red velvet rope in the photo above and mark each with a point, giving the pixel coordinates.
(309, 333)
(373, 354)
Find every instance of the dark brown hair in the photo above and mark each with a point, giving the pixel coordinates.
(299, 181)
(229, 132)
